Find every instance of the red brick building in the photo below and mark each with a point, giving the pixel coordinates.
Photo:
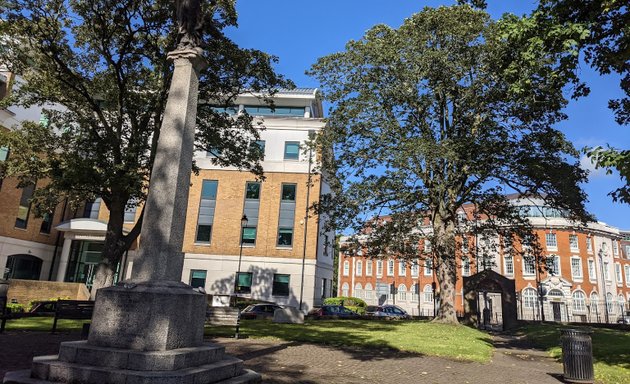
(584, 266)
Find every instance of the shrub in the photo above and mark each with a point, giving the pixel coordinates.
(15, 308)
(352, 303)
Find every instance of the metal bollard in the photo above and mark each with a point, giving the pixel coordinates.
(577, 356)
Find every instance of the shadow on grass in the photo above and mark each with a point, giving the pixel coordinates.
(368, 340)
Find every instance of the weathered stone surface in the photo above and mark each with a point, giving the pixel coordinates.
(160, 256)
(82, 353)
(154, 316)
(288, 315)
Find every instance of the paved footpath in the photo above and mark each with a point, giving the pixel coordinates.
(289, 362)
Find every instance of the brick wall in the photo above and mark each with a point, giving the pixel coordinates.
(25, 291)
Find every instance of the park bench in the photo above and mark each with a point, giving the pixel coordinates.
(73, 310)
(229, 316)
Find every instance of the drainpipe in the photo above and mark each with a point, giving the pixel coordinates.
(308, 195)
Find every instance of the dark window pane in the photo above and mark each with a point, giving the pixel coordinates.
(197, 278)
(209, 189)
(244, 282)
(258, 146)
(281, 285)
(249, 235)
(288, 192)
(291, 150)
(24, 208)
(252, 191)
(46, 223)
(203, 233)
(285, 237)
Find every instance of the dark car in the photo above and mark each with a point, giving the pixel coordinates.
(259, 311)
(333, 312)
(390, 311)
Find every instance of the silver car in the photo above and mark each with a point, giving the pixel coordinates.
(391, 311)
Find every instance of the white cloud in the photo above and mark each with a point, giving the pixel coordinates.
(588, 165)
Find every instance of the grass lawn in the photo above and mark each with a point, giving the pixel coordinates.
(455, 342)
(611, 350)
(44, 324)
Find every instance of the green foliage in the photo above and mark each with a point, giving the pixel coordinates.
(100, 69)
(352, 303)
(15, 308)
(611, 349)
(449, 109)
(604, 43)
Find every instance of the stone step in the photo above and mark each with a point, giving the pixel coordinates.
(81, 352)
(49, 368)
(24, 377)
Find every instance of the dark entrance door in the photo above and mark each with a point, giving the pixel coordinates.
(557, 315)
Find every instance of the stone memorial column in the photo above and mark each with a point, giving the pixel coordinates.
(150, 329)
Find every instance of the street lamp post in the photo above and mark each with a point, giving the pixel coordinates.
(601, 254)
(240, 253)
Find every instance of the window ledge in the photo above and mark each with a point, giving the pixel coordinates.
(201, 244)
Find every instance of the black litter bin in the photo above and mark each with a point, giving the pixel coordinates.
(577, 356)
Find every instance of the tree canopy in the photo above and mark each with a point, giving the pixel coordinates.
(100, 69)
(447, 110)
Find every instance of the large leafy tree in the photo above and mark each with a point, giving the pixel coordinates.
(447, 110)
(606, 47)
(100, 69)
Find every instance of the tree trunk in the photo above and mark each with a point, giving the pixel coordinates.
(113, 249)
(446, 266)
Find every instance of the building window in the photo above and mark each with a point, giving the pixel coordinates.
(414, 293)
(529, 298)
(427, 246)
(573, 243)
(589, 244)
(368, 268)
(287, 215)
(466, 266)
(464, 245)
(551, 241)
(251, 206)
(606, 271)
(345, 290)
(428, 294)
(24, 208)
(402, 268)
(130, 211)
(529, 266)
(358, 268)
(553, 265)
(206, 211)
(610, 303)
(285, 237)
(4, 153)
(258, 147)
(346, 268)
(280, 285)
(379, 268)
(414, 268)
(576, 268)
(509, 264)
(618, 273)
(591, 269)
(291, 150)
(214, 152)
(198, 278)
(46, 225)
(390, 267)
(579, 301)
(358, 291)
(595, 302)
(428, 267)
(615, 248)
(627, 272)
(402, 292)
(244, 282)
(368, 291)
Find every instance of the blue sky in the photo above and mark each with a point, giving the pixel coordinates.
(299, 32)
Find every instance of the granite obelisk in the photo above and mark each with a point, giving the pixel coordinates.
(150, 329)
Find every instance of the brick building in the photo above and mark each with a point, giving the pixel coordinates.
(584, 266)
(280, 252)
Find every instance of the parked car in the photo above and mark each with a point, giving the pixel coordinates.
(391, 311)
(259, 311)
(333, 312)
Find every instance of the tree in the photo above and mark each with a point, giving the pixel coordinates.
(100, 69)
(445, 111)
(606, 47)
